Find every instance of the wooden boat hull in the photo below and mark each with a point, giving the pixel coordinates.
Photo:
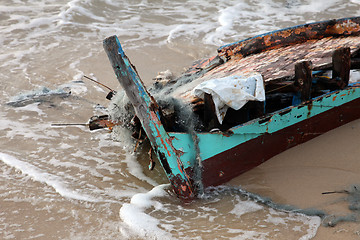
(193, 160)
(226, 156)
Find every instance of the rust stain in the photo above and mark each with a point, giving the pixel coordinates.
(153, 116)
(184, 189)
(309, 106)
(279, 63)
(180, 167)
(301, 30)
(177, 152)
(285, 34)
(283, 38)
(346, 27)
(227, 133)
(267, 40)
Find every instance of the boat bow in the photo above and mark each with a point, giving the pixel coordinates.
(148, 112)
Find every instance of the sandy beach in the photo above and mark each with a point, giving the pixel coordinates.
(300, 175)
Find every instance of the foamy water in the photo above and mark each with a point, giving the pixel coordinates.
(70, 183)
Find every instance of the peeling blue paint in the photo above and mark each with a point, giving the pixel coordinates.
(147, 112)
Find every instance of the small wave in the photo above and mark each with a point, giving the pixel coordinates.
(51, 180)
(140, 223)
(224, 212)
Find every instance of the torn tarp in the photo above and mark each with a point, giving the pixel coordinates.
(232, 91)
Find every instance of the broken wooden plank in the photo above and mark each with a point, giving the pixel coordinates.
(148, 112)
(285, 37)
(278, 64)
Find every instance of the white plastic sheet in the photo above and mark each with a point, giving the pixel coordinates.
(232, 91)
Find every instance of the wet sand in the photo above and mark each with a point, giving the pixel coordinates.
(298, 177)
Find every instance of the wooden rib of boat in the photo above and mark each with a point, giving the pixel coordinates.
(306, 72)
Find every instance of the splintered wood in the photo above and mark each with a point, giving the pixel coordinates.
(279, 64)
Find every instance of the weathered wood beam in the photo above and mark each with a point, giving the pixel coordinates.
(291, 36)
(355, 64)
(303, 79)
(149, 114)
(341, 61)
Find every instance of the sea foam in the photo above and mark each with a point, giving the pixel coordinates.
(51, 180)
(141, 223)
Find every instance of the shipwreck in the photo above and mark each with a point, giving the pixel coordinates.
(254, 99)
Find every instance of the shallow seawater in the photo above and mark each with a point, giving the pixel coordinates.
(70, 183)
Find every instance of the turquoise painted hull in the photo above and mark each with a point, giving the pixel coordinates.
(213, 144)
